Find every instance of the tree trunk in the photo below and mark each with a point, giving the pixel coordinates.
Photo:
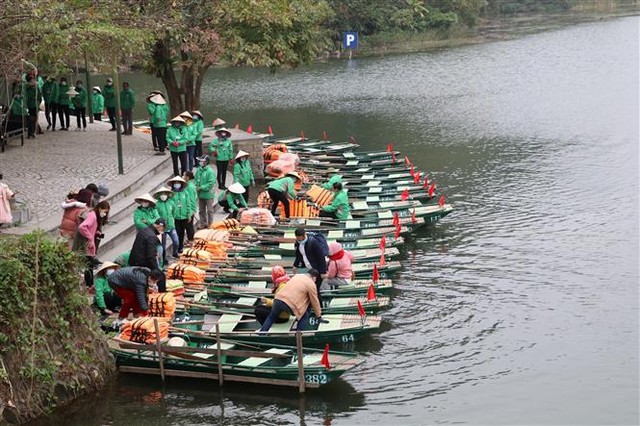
(162, 58)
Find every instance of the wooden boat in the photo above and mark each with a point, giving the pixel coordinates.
(260, 244)
(356, 287)
(234, 361)
(333, 328)
(281, 235)
(331, 304)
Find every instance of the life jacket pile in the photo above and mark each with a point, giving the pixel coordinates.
(300, 208)
(320, 196)
(200, 258)
(162, 305)
(175, 286)
(186, 273)
(142, 330)
(226, 225)
(212, 235)
(273, 152)
(264, 201)
(260, 216)
(217, 249)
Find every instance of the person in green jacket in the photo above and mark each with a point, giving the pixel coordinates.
(50, 96)
(33, 98)
(146, 213)
(205, 182)
(177, 143)
(158, 114)
(185, 207)
(123, 258)
(231, 199)
(80, 105)
(193, 193)
(18, 115)
(339, 207)
(109, 93)
(335, 178)
(280, 190)
(105, 299)
(127, 102)
(198, 127)
(166, 209)
(222, 149)
(97, 103)
(63, 104)
(243, 172)
(191, 139)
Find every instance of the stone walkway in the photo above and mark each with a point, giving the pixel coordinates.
(44, 169)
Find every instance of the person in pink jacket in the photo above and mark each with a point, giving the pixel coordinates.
(339, 270)
(87, 235)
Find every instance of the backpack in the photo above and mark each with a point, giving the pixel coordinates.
(322, 241)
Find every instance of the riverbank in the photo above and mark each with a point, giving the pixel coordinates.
(488, 30)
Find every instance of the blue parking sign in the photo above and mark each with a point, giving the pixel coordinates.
(350, 40)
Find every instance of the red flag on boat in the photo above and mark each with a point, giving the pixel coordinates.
(389, 147)
(250, 129)
(413, 216)
(396, 219)
(393, 157)
(426, 182)
(376, 274)
(352, 139)
(416, 178)
(270, 130)
(408, 162)
(325, 357)
(324, 135)
(237, 125)
(361, 309)
(302, 135)
(398, 229)
(405, 194)
(432, 189)
(371, 293)
(441, 200)
(383, 260)
(383, 243)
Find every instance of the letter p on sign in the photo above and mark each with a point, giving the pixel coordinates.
(350, 40)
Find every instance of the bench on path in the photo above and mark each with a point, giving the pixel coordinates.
(5, 136)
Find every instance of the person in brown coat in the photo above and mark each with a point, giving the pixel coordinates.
(295, 298)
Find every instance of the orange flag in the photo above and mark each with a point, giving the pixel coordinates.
(383, 243)
(432, 189)
(250, 129)
(396, 219)
(361, 309)
(383, 261)
(416, 178)
(413, 216)
(371, 293)
(441, 200)
(325, 357)
(270, 130)
(376, 274)
(408, 162)
(398, 230)
(405, 194)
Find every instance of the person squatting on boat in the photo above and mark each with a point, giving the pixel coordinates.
(279, 277)
(132, 284)
(231, 199)
(339, 207)
(295, 298)
(104, 298)
(339, 267)
(280, 190)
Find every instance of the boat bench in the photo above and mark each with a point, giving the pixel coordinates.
(227, 323)
(255, 362)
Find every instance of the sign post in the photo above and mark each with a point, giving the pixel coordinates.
(350, 41)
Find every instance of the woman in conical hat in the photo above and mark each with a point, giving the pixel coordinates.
(243, 172)
(231, 199)
(146, 213)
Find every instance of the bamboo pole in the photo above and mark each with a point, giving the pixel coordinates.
(219, 355)
(159, 348)
(301, 383)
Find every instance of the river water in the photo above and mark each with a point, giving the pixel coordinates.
(521, 307)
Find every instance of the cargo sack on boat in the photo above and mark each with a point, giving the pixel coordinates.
(212, 235)
(300, 208)
(162, 305)
(264, 201)
(186, 273)
(226, 224)
(257, 215)
(142, 330)
(175, 286)
(320, 196)
(217, 249)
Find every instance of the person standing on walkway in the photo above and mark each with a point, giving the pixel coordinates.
(50, 96)
(97, 103)
(187, 129)
(109, 93)
(185, 207)
(80, 105)
(198, 127)
(6, 195)
(280, 190)
(243, 173)
(146, 213)
(166, 210)
(63, 104)
(193, 193)
(222, 150)
(177, 143)
(127, 102)
(33, 98)
(158, 114)
(295, 298)
(147, 248)
(205, 182)
(132, 283)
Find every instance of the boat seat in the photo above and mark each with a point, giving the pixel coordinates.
(250, 301)
(360, 205)
(273, 257)
(256, 284)
(335, 234)
(227, 323)
(283, 327)
(255, 361)
(312, 358)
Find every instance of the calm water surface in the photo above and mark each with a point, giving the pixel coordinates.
(521, 307)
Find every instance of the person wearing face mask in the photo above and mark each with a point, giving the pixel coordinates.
(187, 130)
(231, 199)
(177, 142)
(198, 127)
(146, 213)
(185, 207)
(109, 93)
(166, 209)
(127, 102)
(222, 149)
(87, 235)
(50, 96)
(63, 104)
(243, 173)
(80, 105)
(205, 182)
(158, 113)
(104, 298)
(97, 103)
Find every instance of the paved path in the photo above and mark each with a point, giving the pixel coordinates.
(45, 168)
